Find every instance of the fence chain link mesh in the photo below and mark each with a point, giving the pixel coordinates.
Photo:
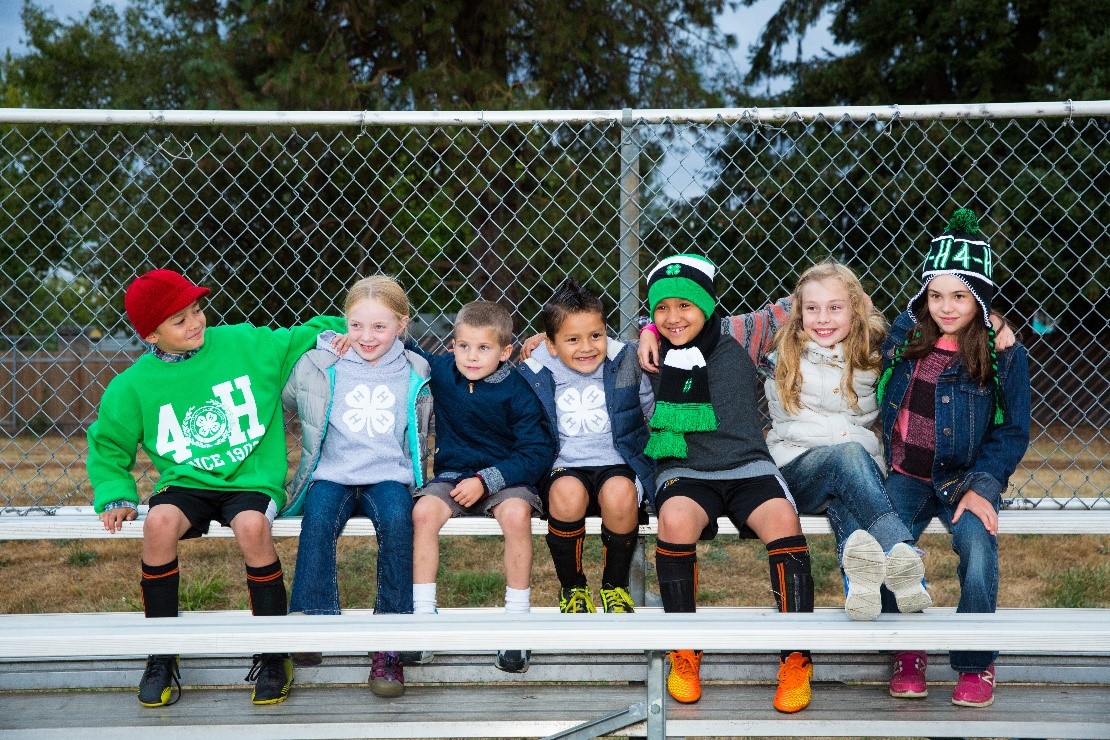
(280, 220)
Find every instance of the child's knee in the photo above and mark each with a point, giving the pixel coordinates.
(618, 495)
(514, 515)
(566, 495)
(429, 513)
(251, 527)
(164, 523)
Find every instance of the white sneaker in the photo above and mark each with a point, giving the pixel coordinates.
(905, 578)
(864, 566)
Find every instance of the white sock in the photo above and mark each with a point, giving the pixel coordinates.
(424, 598)
(518, 600)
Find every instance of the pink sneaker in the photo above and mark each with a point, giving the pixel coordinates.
(975, 689)
(908, 680)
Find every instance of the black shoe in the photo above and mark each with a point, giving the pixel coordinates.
(274, 674)
(416, 657)
(159, 678)
(513, 661)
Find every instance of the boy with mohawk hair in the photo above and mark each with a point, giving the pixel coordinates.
(593, 391)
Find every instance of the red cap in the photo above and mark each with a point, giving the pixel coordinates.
(157, 295)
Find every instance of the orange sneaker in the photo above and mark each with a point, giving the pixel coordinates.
(793, 693)
(684, 683)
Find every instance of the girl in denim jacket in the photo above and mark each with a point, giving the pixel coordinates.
(955, 418)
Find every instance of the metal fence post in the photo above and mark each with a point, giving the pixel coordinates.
(629, 240)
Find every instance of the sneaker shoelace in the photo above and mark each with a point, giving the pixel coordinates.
(793, 672)
(685, 663)
(385, 666)
(270, 666)
(616, 600)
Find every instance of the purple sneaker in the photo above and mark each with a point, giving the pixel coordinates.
(975, 689)
(387, 677)
(908, 679)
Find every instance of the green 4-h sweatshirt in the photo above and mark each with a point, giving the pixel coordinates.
(213, 421)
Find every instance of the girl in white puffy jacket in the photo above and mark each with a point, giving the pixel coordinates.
(822, 403)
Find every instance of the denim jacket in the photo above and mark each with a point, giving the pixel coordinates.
(972, 452)
(627, 416)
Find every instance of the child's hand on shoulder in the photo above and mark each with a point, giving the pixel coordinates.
(529, 345)
(648, 351)
(980, 507)
(341, 343)
(469, 491)
(1003, 335)
(113, 519)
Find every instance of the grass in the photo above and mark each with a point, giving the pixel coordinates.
(103, 575)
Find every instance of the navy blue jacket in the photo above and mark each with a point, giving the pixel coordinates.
(973, 453)
(621, 378)
(494, 426)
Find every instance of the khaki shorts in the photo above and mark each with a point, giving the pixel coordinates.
(442, 490)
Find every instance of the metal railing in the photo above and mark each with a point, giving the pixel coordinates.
(280, 211)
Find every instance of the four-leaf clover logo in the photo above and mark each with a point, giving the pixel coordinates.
(582, 413)
(674, 269)
(370, 410)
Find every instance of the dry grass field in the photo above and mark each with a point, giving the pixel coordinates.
(100, 575)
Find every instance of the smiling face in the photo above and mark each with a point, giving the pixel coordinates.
(182, 332)
(826, 311)
(477, 351)
(580, 342)
(373, 328)
(951, 304)
(678, 320)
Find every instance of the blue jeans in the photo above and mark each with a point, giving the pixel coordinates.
(846, 480)
(327, 508)
(917, 503)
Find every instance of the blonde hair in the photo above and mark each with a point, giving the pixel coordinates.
(861, 346)
(487, 315)
(381, 288)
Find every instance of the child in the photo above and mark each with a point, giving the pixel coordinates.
(364, 432)
(955, 416)
(822, 403)
(593, 392)
(492, 448)
(204, 405)
(712, 459)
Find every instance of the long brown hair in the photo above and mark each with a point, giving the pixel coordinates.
(861, 346)
(974, 341)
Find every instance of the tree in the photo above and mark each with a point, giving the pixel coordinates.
(459, 209)
(920, 51)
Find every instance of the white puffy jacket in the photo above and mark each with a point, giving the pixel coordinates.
(826, 418)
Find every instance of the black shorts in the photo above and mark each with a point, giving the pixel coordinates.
(736, 499)
(202, 507)
(592, 479)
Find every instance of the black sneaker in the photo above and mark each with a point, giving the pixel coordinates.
(273, 673)
(416, 657)
(159, 678)
(513, 661)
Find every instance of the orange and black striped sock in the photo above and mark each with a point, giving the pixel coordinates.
(266, 588)
(565, 541)
(791, 579)
(159, 587)
(677, 568)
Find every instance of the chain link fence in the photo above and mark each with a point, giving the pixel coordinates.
(280, 212)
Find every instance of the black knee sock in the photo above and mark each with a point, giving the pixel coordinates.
(791, 579)
(618, 550)
(266, 588)
(565, 540)
(159, 587)
(677, 568)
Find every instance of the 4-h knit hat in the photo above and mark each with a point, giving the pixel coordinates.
(155, 296)
(686, 276)
(961, 251)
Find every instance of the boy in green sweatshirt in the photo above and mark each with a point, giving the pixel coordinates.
(205, 405)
